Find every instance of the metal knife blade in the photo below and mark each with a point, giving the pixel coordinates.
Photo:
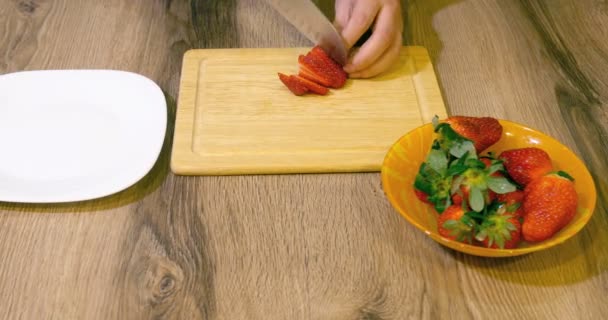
(308, 19)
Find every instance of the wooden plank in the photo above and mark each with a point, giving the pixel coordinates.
(235, 116)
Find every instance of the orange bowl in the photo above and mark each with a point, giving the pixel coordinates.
(403, 160)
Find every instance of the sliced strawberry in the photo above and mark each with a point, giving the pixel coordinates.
(333, 68)
(322, 69)
(310, 85)
(293, 85)
(310, 72)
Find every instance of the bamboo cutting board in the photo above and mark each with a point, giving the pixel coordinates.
(234, 116)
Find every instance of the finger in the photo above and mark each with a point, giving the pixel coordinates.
(387, 25)
(384, 63)
(361, 18)
(343, 9)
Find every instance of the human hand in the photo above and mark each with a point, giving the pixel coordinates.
(381, 50)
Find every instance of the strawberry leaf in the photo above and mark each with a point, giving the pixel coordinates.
(500, 185)
(496, 166)
(435, 184)
(476, 200)
(462, 229)
(565, 175)
(453, 143)
(456, 182)
(435, 121)
(496, 229)
(474, 163)
(442, 203)
(513, 207)
(438, 161)
(462, 148)
(457, 167)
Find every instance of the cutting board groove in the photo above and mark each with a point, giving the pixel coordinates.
(234, 116)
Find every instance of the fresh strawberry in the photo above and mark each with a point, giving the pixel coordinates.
(526, 164)
(487, 161)
(422, 196)
(460, 195)
(549, 204)
(318, 67)
(433, 180)
(455, 224)
(499, 229)
(482, 131)
(478, 182)
(513, 202)
(293, 85)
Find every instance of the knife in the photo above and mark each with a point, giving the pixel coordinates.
(308, 19)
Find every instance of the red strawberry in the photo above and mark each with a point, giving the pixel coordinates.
(293, 85)
(311, 86)
(459, 195)
(499, 230)
(300, 86)
(526, 164)
(483, 131)
(465, 193)
(422, 196)
(317, 66)
(454, 224)
(338, 74)
(513, 202)
(307, 72)
(479, 183)
(550, 203)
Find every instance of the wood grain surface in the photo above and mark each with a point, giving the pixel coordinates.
(326, 246)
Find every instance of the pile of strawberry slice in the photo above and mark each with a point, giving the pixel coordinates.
(318, 72)
(487, 200)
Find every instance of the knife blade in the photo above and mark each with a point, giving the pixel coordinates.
(305, 16)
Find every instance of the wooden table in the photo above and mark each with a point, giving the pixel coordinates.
(325, 246)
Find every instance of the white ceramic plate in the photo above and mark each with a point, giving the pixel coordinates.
(72, 135)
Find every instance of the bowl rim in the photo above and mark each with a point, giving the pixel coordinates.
(491, 252)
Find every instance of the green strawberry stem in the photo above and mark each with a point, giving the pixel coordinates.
(452, 164)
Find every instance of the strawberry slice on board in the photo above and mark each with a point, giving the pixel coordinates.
(293, 85)
(333, 68)
(310, 85)
(310, 71)
(317, 66)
